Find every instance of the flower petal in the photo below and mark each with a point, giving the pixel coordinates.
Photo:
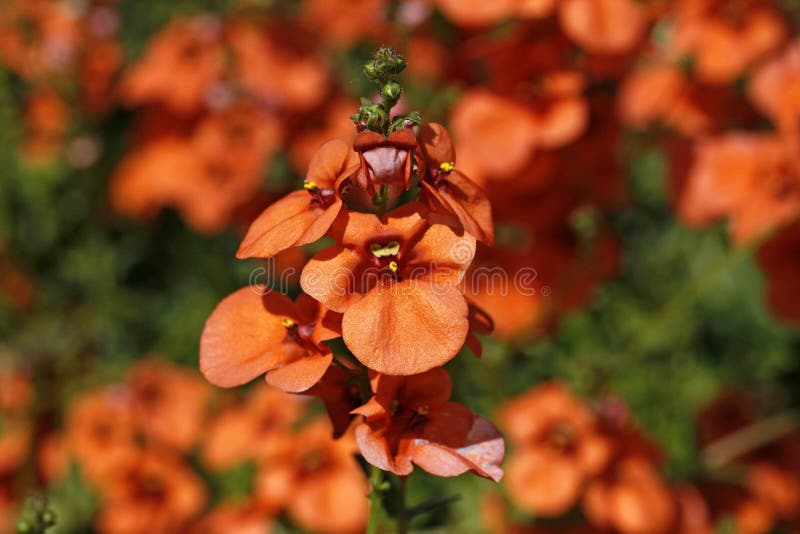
(289, 222)
(241, 340)
(407, 327)
(375, 450)
(334, 161)
(332, 277)
(301, 374)
(455, 441)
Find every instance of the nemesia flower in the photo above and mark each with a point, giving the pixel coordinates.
(101, 433)
(632, 498)
(318, 481)
(252, 430)
(16, 428)
(189, 50)
(154, 492)
(257, 331)
(303, 216)
(446, 189)
(603, 26)
(237, 517)
(775, 90)
(410, 421)
(340, 395)
(395, 280)
(559, 447)
(754, 179)
(724, 37)
(169, 404)
(497, 134)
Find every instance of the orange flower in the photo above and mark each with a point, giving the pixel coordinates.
(410, 421)
(604, 26)
(447, 190)
(256, 429)
(318, 481)
(496, 134)
(188, 50)
(255, 331)
(303, 217)
(631, 499)
(238, 517)
(754, 179)
(169, 403)
(775, 90)
(341, 395)
(559, 448)
(724, 37)
(395, 280)
(101, 433)
(154, 492)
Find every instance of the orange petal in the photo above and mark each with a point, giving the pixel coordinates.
(301, 374)
(375, 450)
(603, 26)
(289, 222)
(469, 203)
(455, 441)
(407, 327)
(442, 251)
(543, 484)
(431, 388)
(240, 338)
(334, 161)
(332, 277)
(436, 144)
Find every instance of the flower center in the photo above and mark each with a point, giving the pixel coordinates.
(382, 250)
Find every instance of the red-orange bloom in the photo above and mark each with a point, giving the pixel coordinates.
(395, 280)
(303, 217)
(559, 448)
(255, 331)
(169, 403)
(447, 190)
(318, 481)
(155, 492)
(410, 421)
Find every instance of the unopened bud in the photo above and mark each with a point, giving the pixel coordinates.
(391, 91)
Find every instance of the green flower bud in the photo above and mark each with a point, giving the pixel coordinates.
(391, 91)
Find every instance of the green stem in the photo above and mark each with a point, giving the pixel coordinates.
(403, 518)
(375, 497)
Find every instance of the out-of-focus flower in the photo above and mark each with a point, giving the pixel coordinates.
(389, 277)
(410, 421)
(752, 179)
(257, 428)
(318, 481)
(154, 491)
(558, 448)
(724, 38)
(169, 404)
(604, 26)
(775, 91)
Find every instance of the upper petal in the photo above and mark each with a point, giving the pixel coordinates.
(332, 277)
(333, 161)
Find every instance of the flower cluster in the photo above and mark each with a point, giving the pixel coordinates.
(154, 447)
(389, 287)
(568, 454)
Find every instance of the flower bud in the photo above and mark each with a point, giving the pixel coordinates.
(391, 91)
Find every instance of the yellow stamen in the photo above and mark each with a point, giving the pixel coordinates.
(423, 410)
(448, 166)
(288, 323)
(393, 266)
(309, 185)
(382, 250)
